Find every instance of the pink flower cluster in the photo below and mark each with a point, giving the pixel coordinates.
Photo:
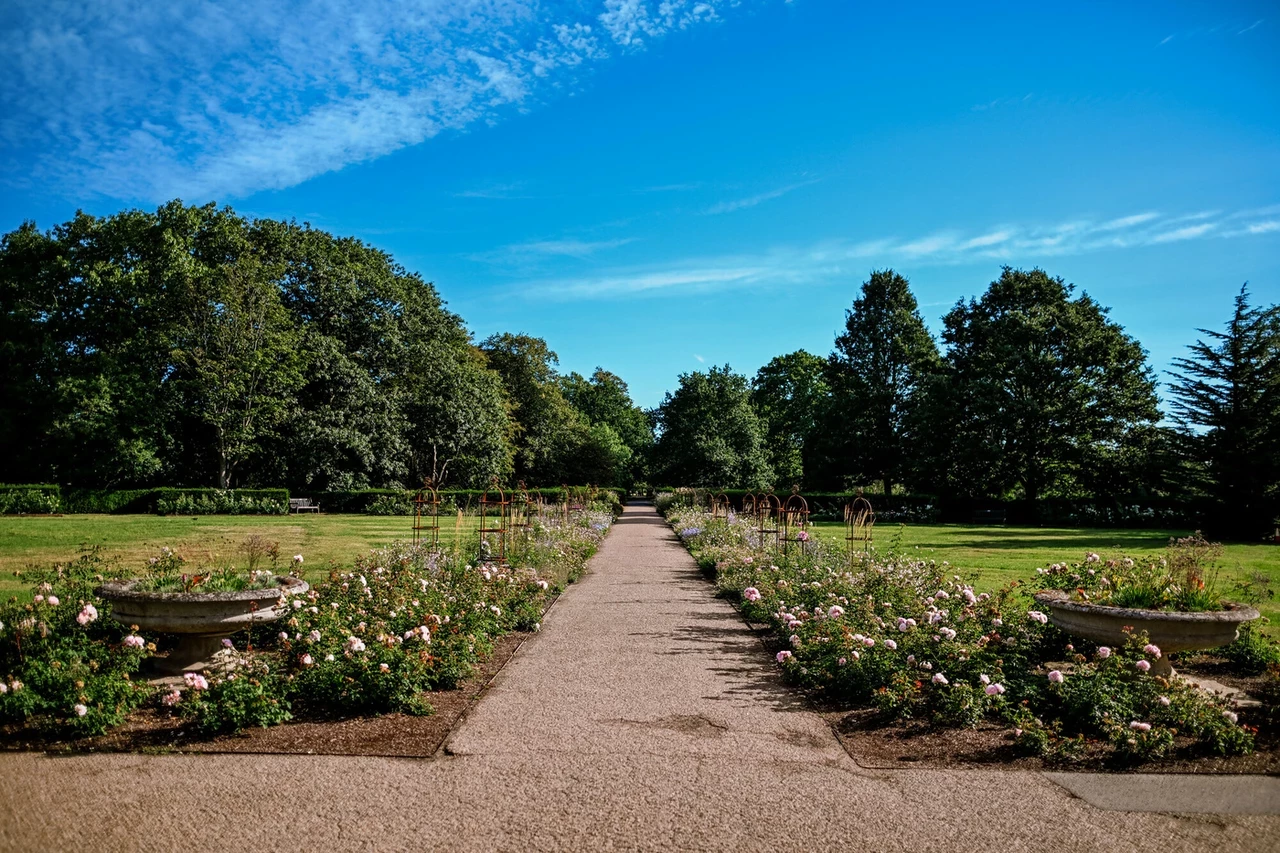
(751, 594)
(195, 681)
(87, 614)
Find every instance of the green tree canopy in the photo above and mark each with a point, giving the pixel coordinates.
(881, 362)
(191, 346)
(789, 394)
(1226, 400)
(709, 434)
(547, 427)
(1036, 387)
(604, 401)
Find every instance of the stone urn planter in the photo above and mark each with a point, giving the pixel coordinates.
(1170, 630)
(202, 620)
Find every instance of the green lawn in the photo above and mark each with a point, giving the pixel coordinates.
(207, 539)
(1000, 554)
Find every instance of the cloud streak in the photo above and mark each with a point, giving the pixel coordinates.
(149, 101)
(752, 201)
(565, 248)
(834, 259)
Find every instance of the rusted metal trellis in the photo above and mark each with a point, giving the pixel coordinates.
(859, 519)
(793, 522)
(768, 511)
(495, 518)
(426, 515)
(522, 510)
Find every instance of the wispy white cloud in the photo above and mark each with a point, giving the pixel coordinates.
(498, 191)
(569, 248)
(1225, 28)
(1126, 222)
(1003, 102)
(700, 359)
(752, 201)
(672, 188)
(149, 101)
(995, 238)
(1263, 227)
(838, 259)
(1189, 232)
(629, 22)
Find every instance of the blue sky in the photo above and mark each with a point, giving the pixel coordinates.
(658, 185)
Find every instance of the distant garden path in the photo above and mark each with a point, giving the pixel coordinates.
(644, 715)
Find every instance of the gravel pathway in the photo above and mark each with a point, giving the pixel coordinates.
(643, 716)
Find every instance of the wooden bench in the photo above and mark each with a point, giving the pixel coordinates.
(302, 505)
(989, 516)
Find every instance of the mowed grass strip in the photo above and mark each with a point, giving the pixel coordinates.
(205, 540)
(997, 555)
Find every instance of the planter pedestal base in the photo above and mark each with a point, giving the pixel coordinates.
(192, 654)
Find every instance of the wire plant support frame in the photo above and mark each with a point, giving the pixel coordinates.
(859, 519)
(495, 521)
(426, 515)
(793, 522)
(768, 510)
(522, 511)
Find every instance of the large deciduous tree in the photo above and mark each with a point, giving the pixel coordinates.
(236, 359)
(547, 426)
(876, 374)
(1037, 387)
(709, 434)
(191, 346)
(789, 394)
(605, 402)
(1226, 400)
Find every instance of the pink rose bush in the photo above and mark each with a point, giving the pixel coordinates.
(914, 639)
(375, 637)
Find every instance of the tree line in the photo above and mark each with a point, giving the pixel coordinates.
(1032, 392)
(193, 346)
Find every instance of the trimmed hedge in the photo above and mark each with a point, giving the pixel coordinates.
(206, 501)
(200, 500)
(364, 500)
(1129, 512)
(30, 498)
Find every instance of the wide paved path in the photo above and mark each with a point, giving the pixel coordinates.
(643, 716)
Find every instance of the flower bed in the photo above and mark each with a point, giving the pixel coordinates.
(401, 622)
(915, 640)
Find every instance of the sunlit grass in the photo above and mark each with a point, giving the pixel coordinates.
(997, 555)
(204, 540)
